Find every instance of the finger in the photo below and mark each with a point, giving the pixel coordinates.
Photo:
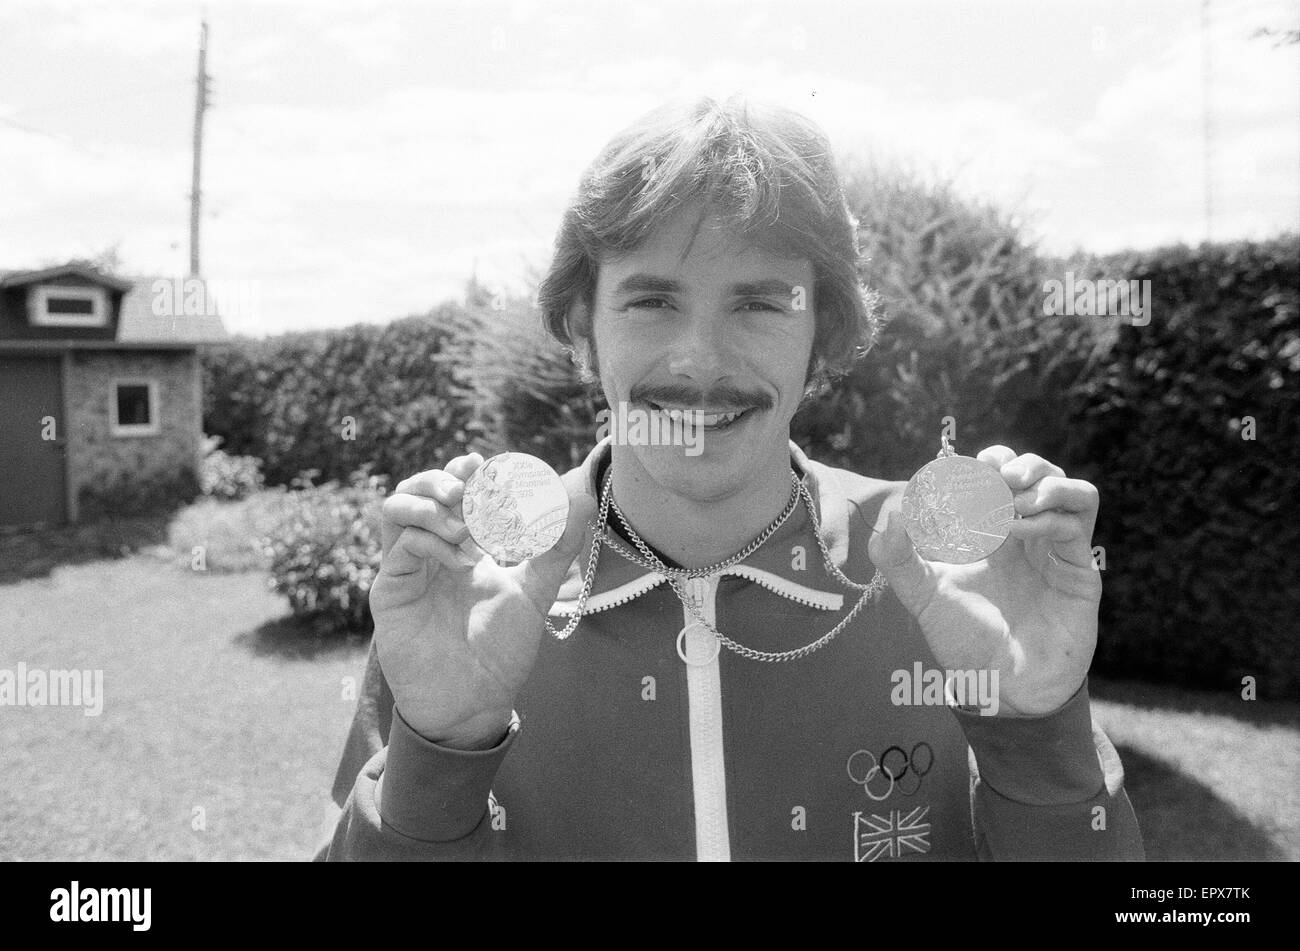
(1049, 526)
(996, 456)
(462, 467)
(1059, 494)
(440, 485)
(416, 549)
(1065, 538)
(403, 510)
(1023, 471)
(892, 551)
(399, 511)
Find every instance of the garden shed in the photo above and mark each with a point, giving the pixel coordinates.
(100, 392)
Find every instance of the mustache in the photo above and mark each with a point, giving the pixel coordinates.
(723, 396)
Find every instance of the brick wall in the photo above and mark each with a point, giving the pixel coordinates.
(97, 458)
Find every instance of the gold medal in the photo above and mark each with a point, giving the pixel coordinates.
(956, 509)
(515, 507)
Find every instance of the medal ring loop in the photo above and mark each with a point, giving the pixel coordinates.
(714, 649)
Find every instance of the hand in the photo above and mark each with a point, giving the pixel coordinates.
(456, 633)
(1030, 609)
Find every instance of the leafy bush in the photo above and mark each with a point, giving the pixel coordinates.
(964, 336)
(523, 391)
(324, 550)
(1200, 525)
(224, 476)
(233, 535)
(128, 495)
(333, 401)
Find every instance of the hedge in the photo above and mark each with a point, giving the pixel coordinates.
(1199, 525)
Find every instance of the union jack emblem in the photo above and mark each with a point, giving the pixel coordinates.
(892, 835)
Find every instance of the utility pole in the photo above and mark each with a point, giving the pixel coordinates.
(200, 107)
(1207, 108)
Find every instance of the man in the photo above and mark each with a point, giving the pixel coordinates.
(712, 693)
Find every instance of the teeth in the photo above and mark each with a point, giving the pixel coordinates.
(695, 417)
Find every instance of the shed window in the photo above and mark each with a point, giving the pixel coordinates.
(135, 407)
(55, 305)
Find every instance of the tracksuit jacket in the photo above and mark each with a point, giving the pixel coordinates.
(630, 741)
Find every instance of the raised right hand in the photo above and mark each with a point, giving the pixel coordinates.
(456, 633)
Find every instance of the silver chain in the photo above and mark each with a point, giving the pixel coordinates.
(735, 559)
(675, 576)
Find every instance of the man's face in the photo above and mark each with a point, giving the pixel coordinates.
(725, 328)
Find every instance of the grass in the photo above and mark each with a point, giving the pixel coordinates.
(1211, 776)
(216, 701)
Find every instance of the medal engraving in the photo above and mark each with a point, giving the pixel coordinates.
(957, 510)
(515, 507)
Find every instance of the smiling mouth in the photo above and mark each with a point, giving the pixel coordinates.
(711, 419)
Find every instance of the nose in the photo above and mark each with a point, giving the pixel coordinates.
(702, 351)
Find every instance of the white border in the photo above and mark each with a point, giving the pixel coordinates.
(154, 425)
(38, 302)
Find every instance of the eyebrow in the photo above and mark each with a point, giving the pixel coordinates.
(649, 283)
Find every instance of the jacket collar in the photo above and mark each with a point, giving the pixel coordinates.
(776, 565)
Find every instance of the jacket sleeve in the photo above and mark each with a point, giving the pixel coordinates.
(405, 798)
(1049, 787)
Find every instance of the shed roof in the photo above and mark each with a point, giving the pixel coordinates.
(137, 325)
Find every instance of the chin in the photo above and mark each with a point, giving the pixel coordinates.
(717, 472)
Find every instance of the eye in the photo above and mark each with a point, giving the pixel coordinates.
(648, 303)
(758, 306)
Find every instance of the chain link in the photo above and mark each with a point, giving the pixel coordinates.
(675, 576)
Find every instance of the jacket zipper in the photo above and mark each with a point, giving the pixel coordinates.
(708, 762)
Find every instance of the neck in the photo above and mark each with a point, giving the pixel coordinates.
(698, 533)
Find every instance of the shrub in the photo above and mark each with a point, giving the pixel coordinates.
(961, 293)
(336, 400)
(324, 550)
(1200, 526)
(225, 476)
(129, 495)
(233, 535)
(523, 391)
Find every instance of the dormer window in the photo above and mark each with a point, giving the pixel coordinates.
(56, 305)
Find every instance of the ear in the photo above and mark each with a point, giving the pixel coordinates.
(582, 347)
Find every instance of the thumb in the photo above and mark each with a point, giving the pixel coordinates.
(543, 575)
(892, 551)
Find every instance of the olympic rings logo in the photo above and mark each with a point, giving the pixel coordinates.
(895, 764)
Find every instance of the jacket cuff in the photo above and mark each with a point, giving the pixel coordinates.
(434, 793)
(1039, 761)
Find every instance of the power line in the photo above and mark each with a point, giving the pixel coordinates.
(62, 139)
(62, 105)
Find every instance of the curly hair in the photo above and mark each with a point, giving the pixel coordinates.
(766, 171)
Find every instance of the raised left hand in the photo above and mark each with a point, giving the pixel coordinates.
(1030, 609)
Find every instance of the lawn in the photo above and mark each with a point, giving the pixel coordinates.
(212, 702)
(215, 702)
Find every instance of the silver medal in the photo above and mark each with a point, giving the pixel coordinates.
(956, 509)
(515, 507)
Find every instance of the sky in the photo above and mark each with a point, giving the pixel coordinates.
(361, 160)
